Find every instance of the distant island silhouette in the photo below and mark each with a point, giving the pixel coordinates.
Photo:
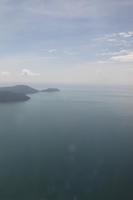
(51, 90)
(24, 89)
(19, 93)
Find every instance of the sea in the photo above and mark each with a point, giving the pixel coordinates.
(76, 144)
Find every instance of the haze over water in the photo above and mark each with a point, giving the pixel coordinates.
(73, 145)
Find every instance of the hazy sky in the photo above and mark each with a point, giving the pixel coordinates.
(69, 41)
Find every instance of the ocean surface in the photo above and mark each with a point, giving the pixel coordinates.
(73, 145)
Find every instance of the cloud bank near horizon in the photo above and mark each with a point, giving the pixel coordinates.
(77, 41)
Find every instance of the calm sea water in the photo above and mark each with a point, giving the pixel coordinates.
(72, 145)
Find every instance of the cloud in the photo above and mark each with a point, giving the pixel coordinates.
(118, 47)
(52, 50)
(71, 53)
(123, 58)
(28, 27)
(119, 37)
(115, 53)
(126, 34)
(28, 72)
(75, 8)
(102, 62)
(62, 8)
(5, 73)
(5, 76)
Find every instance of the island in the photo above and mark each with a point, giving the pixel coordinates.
(51, 90)
(8, 96)
(19, 93)
(23, 89)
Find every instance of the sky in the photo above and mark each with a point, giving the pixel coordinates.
(66, 41)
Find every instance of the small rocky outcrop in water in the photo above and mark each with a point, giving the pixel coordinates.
(7, 96)
(51, 90)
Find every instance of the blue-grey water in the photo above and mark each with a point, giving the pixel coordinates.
(73, 145)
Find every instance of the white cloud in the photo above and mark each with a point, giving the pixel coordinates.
(102, 62)
(5, 73)
(5, 76)
(116, 53)
(52, 50)
(70, 53)
(116, 38)
(123, 58)
(126, 34)
(28, 72)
